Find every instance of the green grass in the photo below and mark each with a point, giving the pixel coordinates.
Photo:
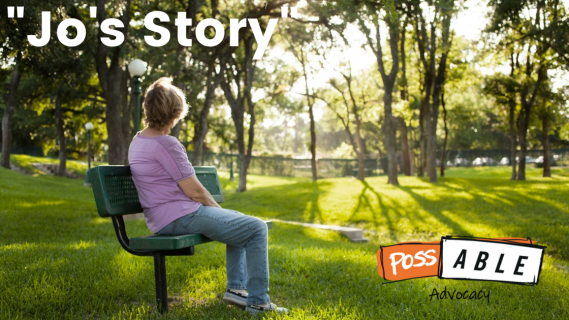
(59, 260)
(417, 210)
(25, 162)
(502, 172)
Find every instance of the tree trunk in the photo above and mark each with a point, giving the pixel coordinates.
(524, 117)
(432, 148)
(112, 85)
(201, 128)
(546, 147)
(115, 140)
(240, 137)
(523, 120)
(405, 147)
(422, 39)
(389, 80)
(513, 138)
(437, 89)
(389, 132)
(244, 158)
(62, 170)
(411, 152)
(522, 156)
(243, 77)
(404, 86)
(360, 153)
(310, 103)
(313, 144)
(511, 120)
(446, 133)
(422, 155)
(252, 121)
(7, 118)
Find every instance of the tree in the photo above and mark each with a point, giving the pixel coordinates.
(302, 56)
(238, 75)
(8, 112)
(13, 53)
(65, 73)
(434, 73)
(201, 76)
(504, 90)
(549, 107)
(373, 12)
(526, 27)
(354, 96)
(237, 69)
(113, 79)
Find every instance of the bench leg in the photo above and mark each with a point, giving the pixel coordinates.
(160, 278)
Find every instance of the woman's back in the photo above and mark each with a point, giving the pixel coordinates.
(157, 164)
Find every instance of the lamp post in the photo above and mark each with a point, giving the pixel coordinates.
(89, 127)
(136, 68)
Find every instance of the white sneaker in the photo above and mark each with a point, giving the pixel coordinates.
(235, 298)
(266, 308)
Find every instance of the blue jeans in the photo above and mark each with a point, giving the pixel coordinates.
(246, 240)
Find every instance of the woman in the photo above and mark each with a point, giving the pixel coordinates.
(175, 202)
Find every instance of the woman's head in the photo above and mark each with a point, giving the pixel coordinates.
(164, 105)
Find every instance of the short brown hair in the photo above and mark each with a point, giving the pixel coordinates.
(164, 104)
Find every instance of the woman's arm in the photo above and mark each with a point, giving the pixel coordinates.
(193, 188)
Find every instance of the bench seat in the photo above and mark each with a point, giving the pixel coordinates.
(163, 242)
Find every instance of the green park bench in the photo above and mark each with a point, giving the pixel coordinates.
(116, 195)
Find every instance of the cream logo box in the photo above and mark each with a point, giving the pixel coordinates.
(485, 259)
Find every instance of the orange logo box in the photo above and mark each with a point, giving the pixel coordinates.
(409, 260)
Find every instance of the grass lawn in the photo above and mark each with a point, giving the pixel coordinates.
(25, 162)
(60, 260)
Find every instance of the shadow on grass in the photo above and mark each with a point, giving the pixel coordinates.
(298, 201)
(320, 276)
(315, 213)
(535, 209)
(419, 211)
(435, 211)
(363, 199)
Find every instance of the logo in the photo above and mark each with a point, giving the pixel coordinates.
(510, 260)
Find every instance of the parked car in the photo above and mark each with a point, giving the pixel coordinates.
(484, 161)
(491, 162)
(505, 161)
(539, 161)
(477, 162)
(528, 160)
(461, 162)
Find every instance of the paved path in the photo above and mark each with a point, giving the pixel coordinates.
(354, 234)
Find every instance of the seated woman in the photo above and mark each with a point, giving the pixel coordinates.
(175, 202)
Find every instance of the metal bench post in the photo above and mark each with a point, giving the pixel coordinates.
(160, 277)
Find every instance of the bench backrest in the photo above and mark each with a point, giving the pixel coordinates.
(115, 192)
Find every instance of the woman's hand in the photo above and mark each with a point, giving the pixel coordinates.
(194, 189)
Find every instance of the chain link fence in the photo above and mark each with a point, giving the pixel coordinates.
(290, 167)
(467, 158)
(334, 168)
